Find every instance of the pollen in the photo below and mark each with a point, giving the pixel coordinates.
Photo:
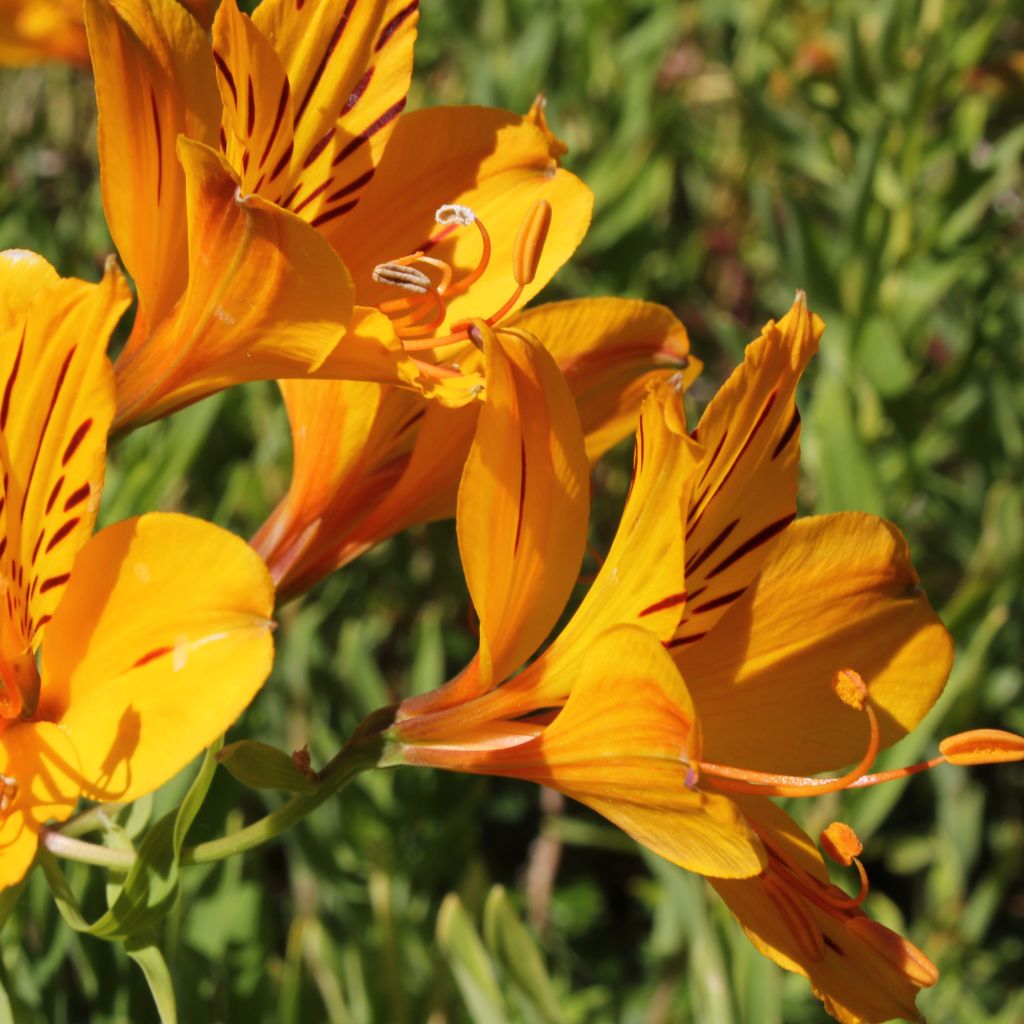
(983, 746)
(401, 275)
(841, 844)
(850, 688)
(454, 213)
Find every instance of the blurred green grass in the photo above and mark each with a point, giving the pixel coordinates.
(869, 153)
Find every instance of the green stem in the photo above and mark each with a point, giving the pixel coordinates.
(95, 819)
(88, 853)
(362, 752)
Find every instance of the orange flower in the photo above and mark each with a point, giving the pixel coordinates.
(706, 670)
(133, 623)
(259, 188)
(371, 461)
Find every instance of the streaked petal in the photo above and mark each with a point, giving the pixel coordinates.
(161, 640)
(835, 592)
(621, 745)
(854, 978)
(154, 81)
(496, 163)
(610, 351)
(349, 66)
(38, 762)
(56, 403)
(745, 491)
(266, 298)
(523, 502)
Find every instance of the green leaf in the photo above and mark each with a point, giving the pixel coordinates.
(261, 766)
(158, 977)
(469, 962)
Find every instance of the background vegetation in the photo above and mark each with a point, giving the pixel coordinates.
(867, 152)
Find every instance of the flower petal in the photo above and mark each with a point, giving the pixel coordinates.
(610, 350)
(39, 764)
(745, 491)
(496, 163)
(256, 131)
(350, 65)
(266, 298)
(154, 81)
(33, 31)
(862, 972)
(161, 640)
(56, 403)
(835, 592)
(621, 745)
(523, 502)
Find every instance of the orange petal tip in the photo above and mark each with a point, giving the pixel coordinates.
(903, 955)
(983, 746)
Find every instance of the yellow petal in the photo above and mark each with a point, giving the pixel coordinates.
(266, 298)
(621, 745)
(256, 132)
(523, 502)
(745, 490)
(835, 592)
(496, 163)
(162, 638)
(349, 66)
(56, 403)
(641, 580)
(610, 351)
(863, 973)
(154, 81)
(32, 31)
(39, 775)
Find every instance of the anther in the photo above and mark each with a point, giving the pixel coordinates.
(529, 243)
(850, 689)
(454, 213)
(840, 842)
(983, 746)
(8, 792)
(402, 276)
(903, 955)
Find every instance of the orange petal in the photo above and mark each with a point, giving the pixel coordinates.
(862, 972)
(39, 775)
(641, 581)
(266, 298)
(745, 491)
(56, 403)
(610, 350)
(154, 81)
(621, 745)
(256, 132)
(496, 163)
(349, 66)
(523, 502)
(835, 591)
(161, 640)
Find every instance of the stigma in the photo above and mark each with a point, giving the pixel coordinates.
(431, 284)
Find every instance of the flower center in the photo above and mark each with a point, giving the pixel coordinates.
(19, 685)
(417, 316)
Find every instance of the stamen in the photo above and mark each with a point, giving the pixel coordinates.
(983, 746)
(400, 275)
(840, 842)
(8, 792)
(797, 918)
(529, 244)
(454, 213)
(903, 955)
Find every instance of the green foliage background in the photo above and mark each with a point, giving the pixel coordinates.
(867, 152)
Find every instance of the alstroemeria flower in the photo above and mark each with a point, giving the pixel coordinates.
(152, 635)
(722, 648)
(370, 461)
(263, 187)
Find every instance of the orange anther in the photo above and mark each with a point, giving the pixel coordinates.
(841, 844)
(529, 244)
(903, 955)
(850, 689)
(983, 746)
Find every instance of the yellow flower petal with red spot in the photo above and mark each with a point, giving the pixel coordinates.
(161, 640)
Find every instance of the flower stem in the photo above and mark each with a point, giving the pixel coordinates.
(88, 853)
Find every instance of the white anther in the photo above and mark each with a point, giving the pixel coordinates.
(452, 213)
(402, 276)
(8, 792)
